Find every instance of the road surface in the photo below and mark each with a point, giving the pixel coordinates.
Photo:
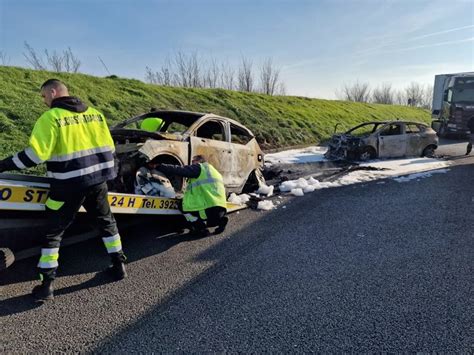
(367, 267)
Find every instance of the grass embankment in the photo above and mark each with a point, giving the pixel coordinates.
(277, 121)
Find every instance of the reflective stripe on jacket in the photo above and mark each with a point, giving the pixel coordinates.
(76, 146)
(206, 191)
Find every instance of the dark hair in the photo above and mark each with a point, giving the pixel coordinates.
(52, 83)
(199, 158)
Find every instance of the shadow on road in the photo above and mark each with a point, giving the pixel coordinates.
(91, 257)
(245, 241)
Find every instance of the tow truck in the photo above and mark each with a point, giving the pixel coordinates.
(23, 221)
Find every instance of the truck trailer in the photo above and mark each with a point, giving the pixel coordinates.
(453, 104)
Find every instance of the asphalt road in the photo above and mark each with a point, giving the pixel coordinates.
(368, 267)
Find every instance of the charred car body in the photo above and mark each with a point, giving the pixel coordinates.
(388, 139)
(227, 145)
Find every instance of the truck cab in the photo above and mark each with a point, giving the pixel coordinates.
(453, 104)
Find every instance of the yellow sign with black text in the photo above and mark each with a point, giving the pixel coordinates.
(31, 196)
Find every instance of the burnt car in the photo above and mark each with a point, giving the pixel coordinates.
(228, 145)
(387, 139)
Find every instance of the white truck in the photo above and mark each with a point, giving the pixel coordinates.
(453, 103)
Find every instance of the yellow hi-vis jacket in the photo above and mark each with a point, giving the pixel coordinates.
(206, 191)
(76, 146)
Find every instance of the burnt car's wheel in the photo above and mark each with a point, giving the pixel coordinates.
(429, 151)
(367, 153)
(6, 258)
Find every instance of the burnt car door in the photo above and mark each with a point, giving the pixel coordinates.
(245, 154)
(210, 139)
(415, 139)
(392, 140)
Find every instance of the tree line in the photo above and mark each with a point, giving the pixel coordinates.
(193, 71)
(414, 94)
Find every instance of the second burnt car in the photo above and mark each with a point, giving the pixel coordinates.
(386, 139)
(228, 145)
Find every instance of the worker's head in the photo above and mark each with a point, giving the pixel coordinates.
(152, 124)
(52, 89)
(198, 159)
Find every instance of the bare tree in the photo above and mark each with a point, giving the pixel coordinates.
(399, 98)
(150, 76)
(281, 90)
(269, 77)
(211, 75)
(54, 60)
(182, 71)
(71, 62)
(357, 92)
(32, 57)
(164, 76)
(414, 94)
(67, 62)
(383, 94)
(427, 97)
(4, 59)
(227, 80)
(245, 76)
(188, 71)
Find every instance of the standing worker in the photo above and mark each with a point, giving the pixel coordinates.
(204, 201)
(75, 142)
(470, 125)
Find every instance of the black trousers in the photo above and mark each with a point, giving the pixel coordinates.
(94, 199)
(214, 216)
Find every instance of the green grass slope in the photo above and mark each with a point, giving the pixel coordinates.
(277, 121)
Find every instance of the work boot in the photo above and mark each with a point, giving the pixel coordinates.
(43, 292)
(117, 269)
(198, 232)
(469, 148)
(198, 229)
(201, 233)
(222, 224)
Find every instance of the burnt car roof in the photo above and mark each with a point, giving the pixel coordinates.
(379, 123)
(186, 118)
(392, 121)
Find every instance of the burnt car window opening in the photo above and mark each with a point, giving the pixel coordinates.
(363, 130)
(412, 128)
(239, 136)
(176, 127)
(391, 130)
(211, 130)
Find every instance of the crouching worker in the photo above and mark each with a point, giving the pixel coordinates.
(75, 143)
(204, 201)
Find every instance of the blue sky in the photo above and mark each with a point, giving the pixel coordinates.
(319, 45)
